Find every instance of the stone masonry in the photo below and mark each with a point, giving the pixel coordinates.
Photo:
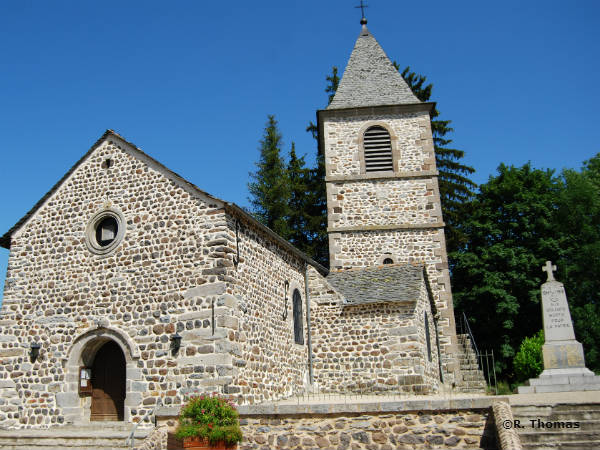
(174, 271)
(466, 424)
(396, 215)
(388, 214)
(373, 347)
(124, 250)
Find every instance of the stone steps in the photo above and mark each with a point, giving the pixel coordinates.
(99, 436)
(473, 375)
(587, 436)
(575, 445)
(472, 378)
(583, 414)
(558, 437)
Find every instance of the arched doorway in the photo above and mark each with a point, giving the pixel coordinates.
(108, 383)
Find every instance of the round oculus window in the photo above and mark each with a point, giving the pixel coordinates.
(105, 231)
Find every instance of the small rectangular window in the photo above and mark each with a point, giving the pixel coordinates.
(298, 327)
(427, 337)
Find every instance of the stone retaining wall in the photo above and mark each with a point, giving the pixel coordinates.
(461, 424)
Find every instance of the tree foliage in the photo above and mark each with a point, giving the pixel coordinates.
(289, 197)
(298, 176)
(456, 188)
(497, 274)
(270, 190)
(521, 218)
(578, 221)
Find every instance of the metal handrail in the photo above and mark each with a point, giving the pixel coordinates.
(131, 438)
(468, 329)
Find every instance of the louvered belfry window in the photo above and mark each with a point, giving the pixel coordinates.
(378, 150)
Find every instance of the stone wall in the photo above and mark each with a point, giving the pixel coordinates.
(271, 364)
(382, 202)
(451, 429)
(408, 131)
(366, 249)
(173, 271)
(464, 424)
(372, 347)
(397, 215)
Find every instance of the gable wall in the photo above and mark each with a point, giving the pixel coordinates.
(57, 290)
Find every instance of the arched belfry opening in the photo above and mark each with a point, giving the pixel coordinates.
(108, 383)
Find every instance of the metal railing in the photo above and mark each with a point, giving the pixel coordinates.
(487, 365)
(464, 328)
(353, 382)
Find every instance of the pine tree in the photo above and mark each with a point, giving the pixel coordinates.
(456, 189)
(270, 190)
(298, 176)
(333, 81)
(316, 192)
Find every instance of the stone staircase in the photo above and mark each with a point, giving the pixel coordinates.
(473, 379)
(96, 435)
(558, 436)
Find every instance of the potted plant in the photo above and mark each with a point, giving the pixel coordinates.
(206, 422)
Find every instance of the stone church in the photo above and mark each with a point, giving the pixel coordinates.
(128, 286)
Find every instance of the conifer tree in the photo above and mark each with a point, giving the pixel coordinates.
(270, 190)
(316, 192)
(456, 189)
(333, 81)
(298, 176)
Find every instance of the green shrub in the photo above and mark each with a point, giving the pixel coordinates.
(504, 388)
(210, 417)
(528, 361)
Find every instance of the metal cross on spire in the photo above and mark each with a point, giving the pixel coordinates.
(362, 6)
(549, 268)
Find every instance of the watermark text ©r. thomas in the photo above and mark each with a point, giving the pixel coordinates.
(539, 423)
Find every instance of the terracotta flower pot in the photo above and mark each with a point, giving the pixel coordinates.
(197, 443)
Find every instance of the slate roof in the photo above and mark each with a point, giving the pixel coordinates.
(370, 79)
(232, 208)
(389, 283)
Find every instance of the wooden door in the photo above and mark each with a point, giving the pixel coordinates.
(108, 383)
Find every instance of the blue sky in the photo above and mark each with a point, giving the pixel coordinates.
(191, 83)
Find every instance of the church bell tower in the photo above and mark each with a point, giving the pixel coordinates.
(383, 200)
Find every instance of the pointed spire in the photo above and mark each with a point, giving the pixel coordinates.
(370, 79)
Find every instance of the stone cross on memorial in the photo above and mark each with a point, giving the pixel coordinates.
(549, 268)
(564, 364)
